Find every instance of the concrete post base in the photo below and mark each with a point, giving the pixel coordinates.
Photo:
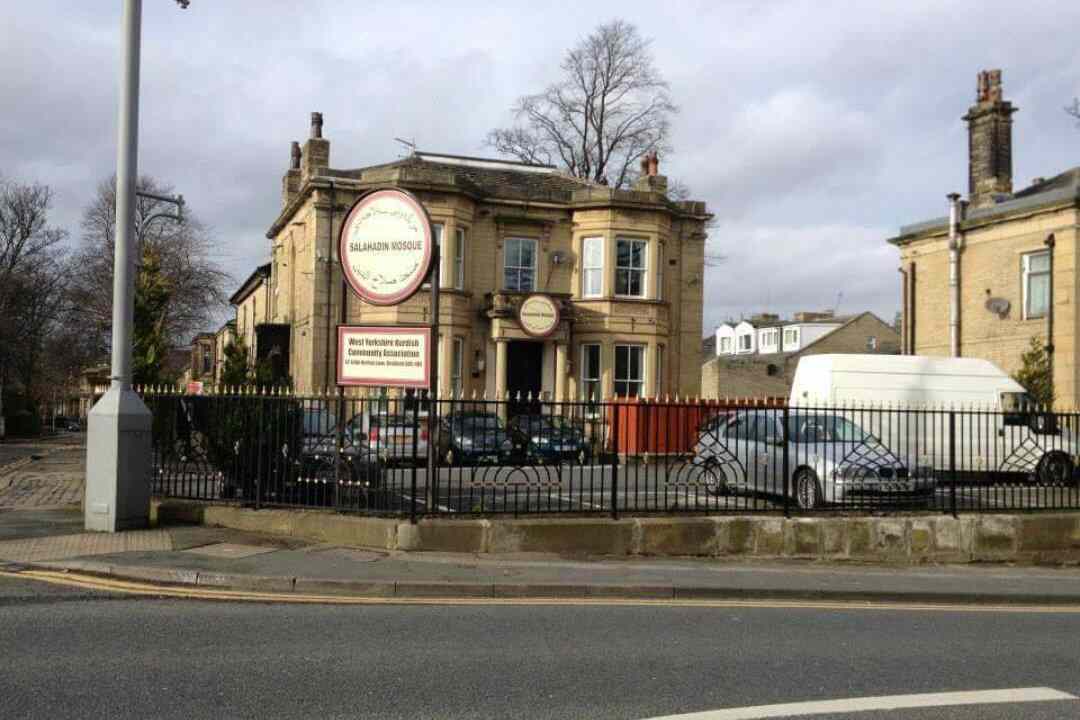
(118, 463)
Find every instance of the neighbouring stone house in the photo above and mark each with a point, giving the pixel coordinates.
(770, 374)
(1000, 269)
(624, 267)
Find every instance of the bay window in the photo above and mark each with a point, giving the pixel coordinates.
(629, 370)
(592, 267)
(630, 267)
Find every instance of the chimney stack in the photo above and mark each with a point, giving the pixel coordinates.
(316, 155)
(290, 182)
(650, 180)
(989, 142)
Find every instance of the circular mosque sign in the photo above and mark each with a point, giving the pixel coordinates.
(386, 246)
(538, 316)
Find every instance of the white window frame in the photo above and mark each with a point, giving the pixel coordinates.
(507, 266)
(660, 271)
(642, 272)
(591, 271)
(725, 345)
(457, 362)
(638, 381)
(1026, 276)
(459, 259)
(749, 342)
(586, 380)
(872, 343)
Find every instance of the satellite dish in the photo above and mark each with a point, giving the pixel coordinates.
(998, 306)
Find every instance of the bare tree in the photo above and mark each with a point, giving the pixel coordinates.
(610, 107)
(196, 282)
(30, 261)
(1074, 109)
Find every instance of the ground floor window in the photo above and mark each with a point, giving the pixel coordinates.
(659, 388)
(457, 357)
(629, 370)
(590, 372)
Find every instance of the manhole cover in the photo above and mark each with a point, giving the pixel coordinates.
(230, 550)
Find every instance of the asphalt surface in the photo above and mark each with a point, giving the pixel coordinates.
(655, 487)
(75, 657)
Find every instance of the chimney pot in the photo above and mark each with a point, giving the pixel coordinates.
(316, 124)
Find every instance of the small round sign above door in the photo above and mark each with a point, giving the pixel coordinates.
(538, 316)
(386, 246)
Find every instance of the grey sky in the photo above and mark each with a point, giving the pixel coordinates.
(812, 129)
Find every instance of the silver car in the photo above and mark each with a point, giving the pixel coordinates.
(395, 440)
(829, 458)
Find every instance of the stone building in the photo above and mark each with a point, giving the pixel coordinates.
(624, 267)
(225, 336)
(1000, 269)
(770, 374)
(202, 366)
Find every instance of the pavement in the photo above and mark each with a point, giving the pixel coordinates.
(226, 558)
(42, 473)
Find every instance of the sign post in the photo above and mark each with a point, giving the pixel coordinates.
(387, 251)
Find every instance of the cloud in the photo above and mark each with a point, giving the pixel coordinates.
(812, 128)
(788, 268)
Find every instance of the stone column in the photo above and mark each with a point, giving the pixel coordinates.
(500, 374)
(560, 372)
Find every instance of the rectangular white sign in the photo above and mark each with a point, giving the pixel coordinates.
(378, 356)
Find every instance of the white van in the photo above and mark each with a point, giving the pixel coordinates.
(969, 414)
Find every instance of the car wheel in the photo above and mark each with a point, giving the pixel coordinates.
(715, 479)
(807, 490)
(1055, 468)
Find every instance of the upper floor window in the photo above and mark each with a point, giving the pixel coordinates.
(458, 280)
(725, 345)
(660, 272)
(436, 238)
(519, 264)
(791, 336)
(871, 343)
(592, 267)
(1036, 284)
(745, 341)
(630, 267)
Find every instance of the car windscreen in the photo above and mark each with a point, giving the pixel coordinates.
(476, 423)
(823, 429)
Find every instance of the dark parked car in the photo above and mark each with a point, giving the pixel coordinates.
(314, 479)
(551, 439)
(475, 438)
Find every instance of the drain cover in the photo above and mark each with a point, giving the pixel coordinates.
(230, 550)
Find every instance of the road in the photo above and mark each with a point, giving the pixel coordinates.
(78, 654)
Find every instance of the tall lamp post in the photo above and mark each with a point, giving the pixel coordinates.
(118, 449)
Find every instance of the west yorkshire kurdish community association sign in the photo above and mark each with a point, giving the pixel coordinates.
(386, 247)
(394, 356)
(386, 252)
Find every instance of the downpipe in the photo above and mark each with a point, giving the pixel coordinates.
(954, 275)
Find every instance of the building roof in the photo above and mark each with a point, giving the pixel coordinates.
(841, 322)
(487, 177)
(256, 278)
(1060, 188)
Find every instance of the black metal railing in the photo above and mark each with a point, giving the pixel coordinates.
(370, 455)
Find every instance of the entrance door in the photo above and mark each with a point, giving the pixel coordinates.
(524, 374)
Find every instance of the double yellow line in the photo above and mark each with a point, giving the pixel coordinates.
(128, 587)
